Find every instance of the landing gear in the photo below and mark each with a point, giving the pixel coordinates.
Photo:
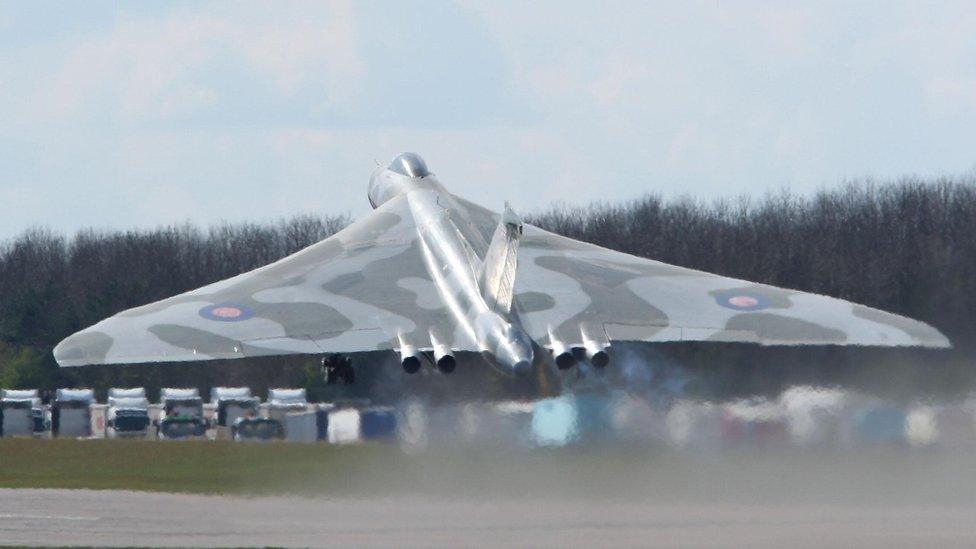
(338, 367)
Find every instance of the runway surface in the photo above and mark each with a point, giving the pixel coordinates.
(85, 517)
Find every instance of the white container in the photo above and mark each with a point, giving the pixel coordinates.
(18, 405)
(343, 426)
(18, 418)
(287, 395)
(282, 402)
(301, 427)
(133, 392)
(19, 394)
(73, 407)
(181, 402)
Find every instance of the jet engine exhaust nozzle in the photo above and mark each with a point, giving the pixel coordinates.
(410, 359)
(444, 359)
(597, 355)
(562, 355)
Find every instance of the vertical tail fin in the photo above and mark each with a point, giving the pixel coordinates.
(501, 261)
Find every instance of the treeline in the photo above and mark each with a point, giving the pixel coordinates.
(907, 246)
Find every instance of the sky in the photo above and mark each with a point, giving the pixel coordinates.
(136, 114)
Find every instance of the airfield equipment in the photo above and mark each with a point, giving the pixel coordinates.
(41, 417)
(428, 275)
(301, 427)
(284, 401)
(322, 412)
(256, 428)
(232, 403)
(128, 413)
(182, 415)
(127, 392)
(19, 412)
(344, 426)
(71, 413)
(377, 423)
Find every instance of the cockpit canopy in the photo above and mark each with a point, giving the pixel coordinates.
(404, 172)
(410, 165)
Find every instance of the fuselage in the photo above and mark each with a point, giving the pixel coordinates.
(454, 252)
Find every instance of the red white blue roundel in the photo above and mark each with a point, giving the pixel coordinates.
(225, 312)
(742, 300)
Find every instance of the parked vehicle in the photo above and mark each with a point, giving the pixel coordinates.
(233, 403)
(256, 428)
(284, 401)
(127, 414)
(71, 413)
(182, 415)
(19, 413)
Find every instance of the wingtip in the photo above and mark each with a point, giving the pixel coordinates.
(930, 337)
(60, 355)
(84, 348)
(940, 341)
(64, 355)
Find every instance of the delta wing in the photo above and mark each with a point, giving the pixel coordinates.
(564, 284)
(355, 291)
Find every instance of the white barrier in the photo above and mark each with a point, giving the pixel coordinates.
(343, 426)
(301, 427)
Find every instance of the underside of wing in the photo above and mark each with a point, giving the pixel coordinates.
(565, 287)
(358, 290)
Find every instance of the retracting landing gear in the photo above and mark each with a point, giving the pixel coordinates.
(338, 367)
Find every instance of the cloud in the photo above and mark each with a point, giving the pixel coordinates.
(728, 100)
(333, 64)
(294, 54)
(950, 93)
(146, 69)
(259, 110)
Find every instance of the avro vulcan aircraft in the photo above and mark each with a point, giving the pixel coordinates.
(428, 274)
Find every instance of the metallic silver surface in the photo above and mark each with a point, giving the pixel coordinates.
(410, 165)
(418, 272)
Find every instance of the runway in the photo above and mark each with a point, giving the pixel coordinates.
(85, 517)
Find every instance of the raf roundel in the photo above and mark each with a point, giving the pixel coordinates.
(742, 301)
(223, 312)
